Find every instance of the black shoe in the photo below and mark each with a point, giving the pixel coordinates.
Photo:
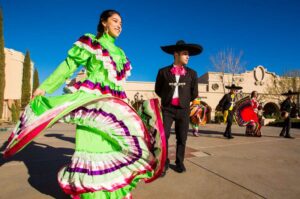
(178, 169)
(230, 137)
(225, 134)
(163, 173)
(288, 136)
(281, 134)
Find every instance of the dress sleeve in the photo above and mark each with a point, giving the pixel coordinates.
(77, 56)
(125, 70)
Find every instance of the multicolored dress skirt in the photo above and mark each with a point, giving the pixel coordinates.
(114, 148)
(198, 115)
(245, 115)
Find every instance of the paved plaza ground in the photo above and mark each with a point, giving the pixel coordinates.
(244, 167)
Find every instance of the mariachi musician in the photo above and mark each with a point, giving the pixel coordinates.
(177, 86)
(286, 107)
(227, 104)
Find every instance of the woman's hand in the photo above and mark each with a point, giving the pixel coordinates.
(38, 92)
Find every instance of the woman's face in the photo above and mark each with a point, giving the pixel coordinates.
(113, 25)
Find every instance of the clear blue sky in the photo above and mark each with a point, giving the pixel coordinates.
(267, 31)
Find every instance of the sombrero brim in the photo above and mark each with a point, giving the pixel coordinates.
(291, 93)
(234, 87)
(193, 49)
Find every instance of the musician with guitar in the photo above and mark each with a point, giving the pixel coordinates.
(285, 108)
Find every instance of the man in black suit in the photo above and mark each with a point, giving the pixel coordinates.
(286, 108)
(177, 86)
(227, 104)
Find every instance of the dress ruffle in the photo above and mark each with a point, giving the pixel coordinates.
(97, 88)
(116, 72)
(244, 115)
(114, 149)
(198, 114)
(132, 156)
(151, 115)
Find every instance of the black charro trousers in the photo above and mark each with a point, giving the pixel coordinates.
(181, 118)
(287, 126)
(229, 123)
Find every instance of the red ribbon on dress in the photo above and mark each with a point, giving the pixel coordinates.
(178, 70)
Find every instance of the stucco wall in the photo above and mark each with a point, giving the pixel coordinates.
(13, 79)
(212, 86)
(13, 73)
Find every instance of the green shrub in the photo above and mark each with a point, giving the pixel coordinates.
(219, 117)
(280, 123)
(15, 111)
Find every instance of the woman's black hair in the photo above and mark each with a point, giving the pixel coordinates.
(253, 93)
(103, 17)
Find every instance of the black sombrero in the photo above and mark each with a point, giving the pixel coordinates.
(233, 86)
(193, 49)
(290, 93)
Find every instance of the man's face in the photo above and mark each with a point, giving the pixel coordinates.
(182, 57)
(233, 91)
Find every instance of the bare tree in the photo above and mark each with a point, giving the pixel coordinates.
(289, 81)
(227, 61)
(292, 80)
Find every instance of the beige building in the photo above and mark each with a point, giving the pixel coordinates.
(212, 88)
(211, 85)
(13, 79)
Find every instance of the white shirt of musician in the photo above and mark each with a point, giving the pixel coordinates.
(175, 98)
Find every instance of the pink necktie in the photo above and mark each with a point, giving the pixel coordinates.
(178, 70)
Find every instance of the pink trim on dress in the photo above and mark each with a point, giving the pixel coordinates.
(159, 125)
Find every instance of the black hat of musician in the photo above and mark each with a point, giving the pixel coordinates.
(193, 49)
(233, 86)
(290, 93)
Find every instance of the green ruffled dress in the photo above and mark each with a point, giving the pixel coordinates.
(113, 150)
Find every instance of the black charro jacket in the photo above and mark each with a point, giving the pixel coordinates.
(188, 86)
(225, 102)
(286, 105)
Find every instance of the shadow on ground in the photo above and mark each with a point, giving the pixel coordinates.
(37, 157)
(61, 137)
(208, 133)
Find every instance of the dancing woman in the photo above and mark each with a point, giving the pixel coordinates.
(253, 128)
(197, 115)
(113, 149)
